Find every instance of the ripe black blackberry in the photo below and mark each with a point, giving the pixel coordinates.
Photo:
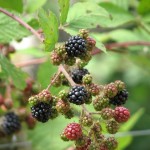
(78, 95)
(75, 46)
(78, 74)
(41, 111)
(11, 123)
(120, 98)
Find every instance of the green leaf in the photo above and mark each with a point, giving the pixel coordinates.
(99, 44)
(45, 73)
(16, 5)
(64, 7)
(17, 76)
(11, 30)
(48, 134)
(144, 62)
(32, 8)
(49, 25)
(86, 15)
(119, 15)
(124, 142)
(144, 7)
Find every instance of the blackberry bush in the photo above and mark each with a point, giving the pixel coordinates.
(69, 90)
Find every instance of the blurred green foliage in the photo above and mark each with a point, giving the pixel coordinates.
(108, 21)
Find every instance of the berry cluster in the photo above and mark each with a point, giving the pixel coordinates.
(76, 50)
(107, 100)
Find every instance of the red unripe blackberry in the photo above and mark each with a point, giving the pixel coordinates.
(94, 89)
(107, 113)
(41, 111)
(90, 43)
(121, 114)
(78, 95)
(10, 123)
(78, 74)
(110, 90)
(56, 59)
(73, 131)
(120, 98)
(75, 46)
(112, 126)
(45, 96)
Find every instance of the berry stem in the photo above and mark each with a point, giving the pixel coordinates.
(27, 26)
(57, 75)
(84, 109)
(63, 70)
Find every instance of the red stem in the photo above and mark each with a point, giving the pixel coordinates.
(63, 70)
(28, 27)
(31, 62)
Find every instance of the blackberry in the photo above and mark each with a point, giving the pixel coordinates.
(78, 95)
(11, 123)
(120, 98)
(78, 74)
(75, 46)
(41, 111)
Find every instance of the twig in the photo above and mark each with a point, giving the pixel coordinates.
(27, 26)
(111, 46)
(126, 44)
(31, 62)
(63, 70)
(85, 110)
(53, 80)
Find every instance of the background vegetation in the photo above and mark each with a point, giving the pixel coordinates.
(109, 21)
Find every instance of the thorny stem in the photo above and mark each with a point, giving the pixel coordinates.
(27, 26)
